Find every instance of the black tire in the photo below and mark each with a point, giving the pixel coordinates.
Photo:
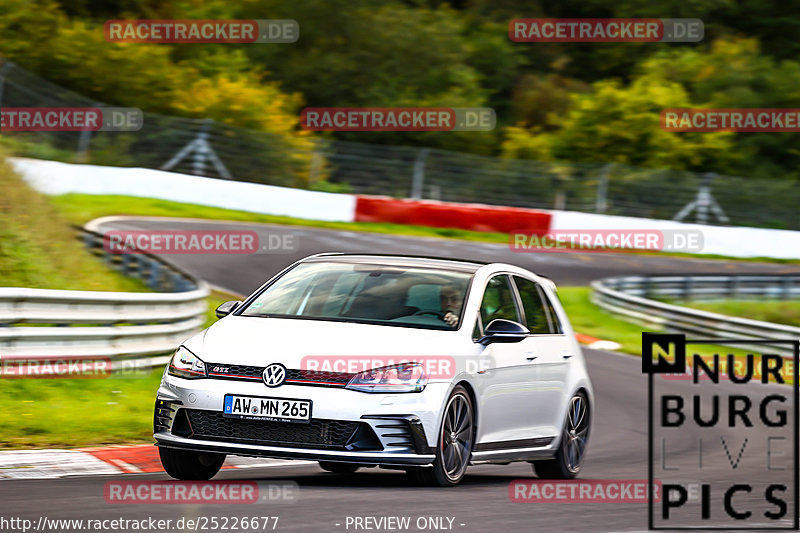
(339, 468)
(568, 461)
(190, 465)
(452, 453)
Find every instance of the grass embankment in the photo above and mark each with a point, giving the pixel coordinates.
(38, 248)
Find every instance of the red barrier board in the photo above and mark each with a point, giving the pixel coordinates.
(475, 217)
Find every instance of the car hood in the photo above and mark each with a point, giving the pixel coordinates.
(259, 341)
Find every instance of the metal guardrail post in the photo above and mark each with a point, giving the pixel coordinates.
(687, 288)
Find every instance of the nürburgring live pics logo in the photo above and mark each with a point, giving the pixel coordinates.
(735, 438)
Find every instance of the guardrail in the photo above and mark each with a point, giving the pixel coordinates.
(121, 325)
(632, 298)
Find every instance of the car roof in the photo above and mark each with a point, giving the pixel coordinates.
(444, 263)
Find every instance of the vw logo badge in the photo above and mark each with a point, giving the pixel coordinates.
(274, 375)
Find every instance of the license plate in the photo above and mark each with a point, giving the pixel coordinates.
(261, 408)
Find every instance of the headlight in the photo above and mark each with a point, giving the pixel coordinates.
(185, 364)
(405, 377)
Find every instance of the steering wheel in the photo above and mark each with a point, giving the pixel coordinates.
(437, 314)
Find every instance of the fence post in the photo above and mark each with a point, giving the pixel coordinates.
(419, 174)
(559, 196)
(82, 155)
(5, 68)
(560, 202)
(703, 203)
(315, 169)
(202, 150)
(601, 202)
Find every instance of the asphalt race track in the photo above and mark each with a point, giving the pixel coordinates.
(244, 273)
(617, 449)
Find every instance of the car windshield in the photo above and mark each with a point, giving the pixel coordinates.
(371, 293)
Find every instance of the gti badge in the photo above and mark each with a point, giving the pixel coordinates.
(274, 375)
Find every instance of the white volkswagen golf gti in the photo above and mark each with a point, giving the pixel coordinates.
(421, 364)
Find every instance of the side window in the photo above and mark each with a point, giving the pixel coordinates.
(554, 317)
(498, 301)
(477, 331)
(532, 304)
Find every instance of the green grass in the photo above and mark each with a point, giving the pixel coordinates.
(81, 208)
(39, 249)
(590, 319)
(778, 311)
(53, 413)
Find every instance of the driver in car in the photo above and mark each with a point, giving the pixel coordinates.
(451, 302)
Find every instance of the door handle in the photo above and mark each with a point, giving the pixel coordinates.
(529, 356)
(566, 355)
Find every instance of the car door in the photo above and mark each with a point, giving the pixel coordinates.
(508, 384)
(551, 357)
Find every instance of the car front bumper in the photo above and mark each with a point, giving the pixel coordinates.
(391, 429)
(255, 450)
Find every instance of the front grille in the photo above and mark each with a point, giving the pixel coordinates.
(317, 377)
(218, 371)
(317, 434)
(293, 376)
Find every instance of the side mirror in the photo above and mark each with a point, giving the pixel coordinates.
(501, 330)
(227, 308)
